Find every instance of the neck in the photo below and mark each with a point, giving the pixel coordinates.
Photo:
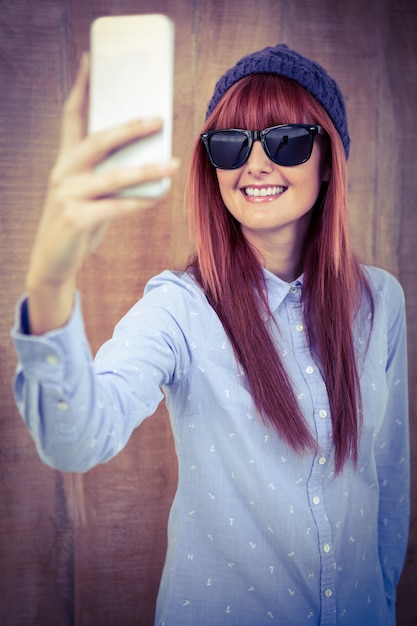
(282, 251)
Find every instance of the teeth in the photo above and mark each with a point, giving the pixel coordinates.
(265, 191)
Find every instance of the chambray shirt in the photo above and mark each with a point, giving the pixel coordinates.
(257, 534)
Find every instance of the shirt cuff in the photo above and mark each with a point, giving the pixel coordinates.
(50, 351)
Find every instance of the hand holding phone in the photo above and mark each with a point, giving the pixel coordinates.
(81, 203)
(132, 77)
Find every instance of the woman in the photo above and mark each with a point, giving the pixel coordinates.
(282, 359)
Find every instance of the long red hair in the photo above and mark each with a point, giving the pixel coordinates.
(231, 275)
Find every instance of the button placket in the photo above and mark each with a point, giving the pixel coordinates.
(319, 471)
(325, 541)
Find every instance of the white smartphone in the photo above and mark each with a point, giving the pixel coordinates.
(132, 63)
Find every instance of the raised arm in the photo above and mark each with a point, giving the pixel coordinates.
(80, 204)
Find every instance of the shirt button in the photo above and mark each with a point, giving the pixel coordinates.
(51, 359)
(293, 289)
(326, 548)
(328, 593)
(323, 414)
(316, 500)
(322, 460)
(299, 328)
(309, 369)
(62, 406)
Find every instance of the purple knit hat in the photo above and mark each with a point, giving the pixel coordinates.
(285, 62)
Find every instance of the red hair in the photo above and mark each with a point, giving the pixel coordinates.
(231, 275)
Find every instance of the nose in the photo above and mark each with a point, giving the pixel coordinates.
(258, 161)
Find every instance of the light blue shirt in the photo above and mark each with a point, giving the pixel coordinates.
(257, 535)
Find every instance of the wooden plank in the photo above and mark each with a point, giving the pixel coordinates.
(396, 228)
(36, 533)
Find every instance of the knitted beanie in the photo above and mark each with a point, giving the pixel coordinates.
(285, 62)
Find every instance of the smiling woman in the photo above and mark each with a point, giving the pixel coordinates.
(301, 229)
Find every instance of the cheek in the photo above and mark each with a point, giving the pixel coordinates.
(308, 186)
(224, 178)
(315, 171)
(227, 180)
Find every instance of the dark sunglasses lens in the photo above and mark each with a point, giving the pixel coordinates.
(228, 149)
(289, 146)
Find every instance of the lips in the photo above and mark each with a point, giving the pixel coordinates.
(263, 192)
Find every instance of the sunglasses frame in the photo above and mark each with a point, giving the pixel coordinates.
(260, 135)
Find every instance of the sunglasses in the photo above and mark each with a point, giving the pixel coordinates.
(287, 144)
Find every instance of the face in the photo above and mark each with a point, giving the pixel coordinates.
(270, 200)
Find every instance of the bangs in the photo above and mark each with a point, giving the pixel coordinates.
(261, 100)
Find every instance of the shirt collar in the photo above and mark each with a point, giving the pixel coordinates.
(279, 289)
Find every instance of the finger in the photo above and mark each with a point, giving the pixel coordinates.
(97, 214)
(95, 148)
(98, 185)
(75, 107)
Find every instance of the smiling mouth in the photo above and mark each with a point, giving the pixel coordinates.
(263, 192)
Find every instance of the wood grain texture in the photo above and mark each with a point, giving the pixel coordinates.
(89, 549)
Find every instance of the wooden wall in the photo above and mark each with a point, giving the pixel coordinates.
(88, 549)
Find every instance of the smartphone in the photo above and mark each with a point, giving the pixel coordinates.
(132, 63)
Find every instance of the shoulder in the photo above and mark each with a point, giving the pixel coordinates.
(388, 300)
(174, 288)
(384, 286)
(172, 299)
(172, 279)
(379, 278)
